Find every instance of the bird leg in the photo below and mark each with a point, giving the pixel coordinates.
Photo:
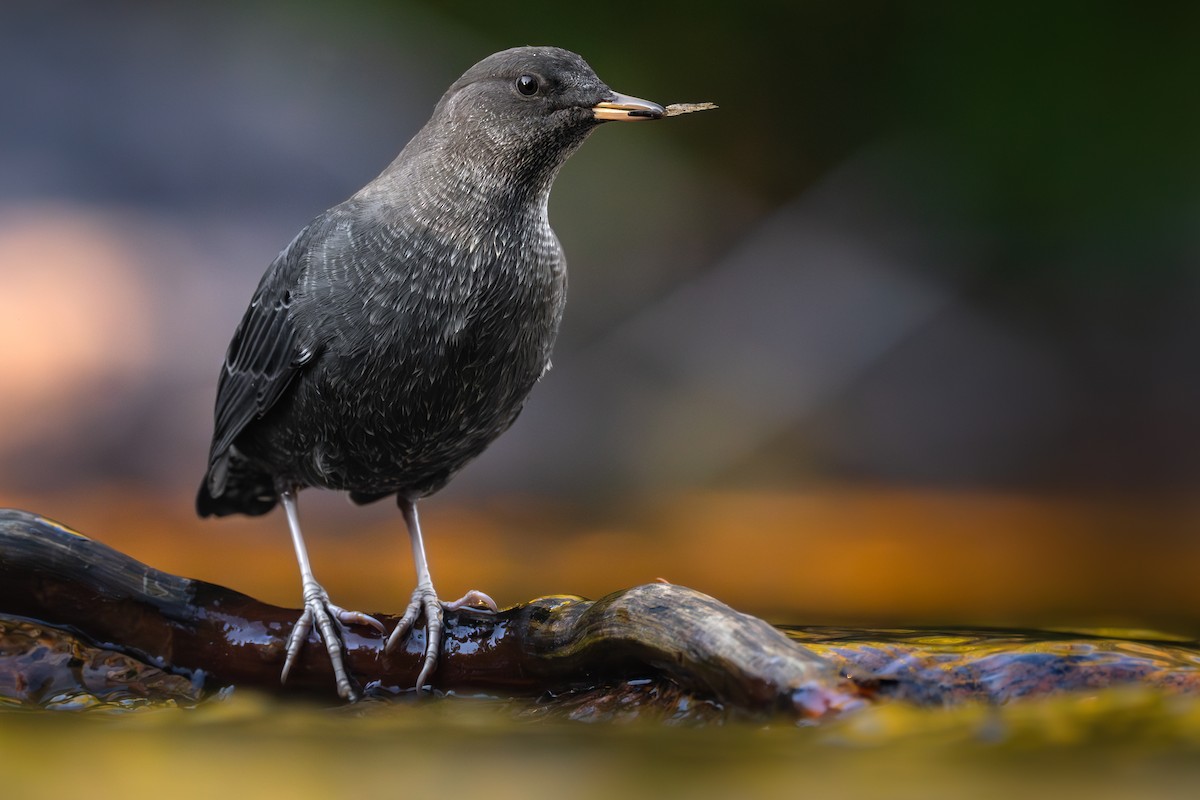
(319, 611)
(425, 600)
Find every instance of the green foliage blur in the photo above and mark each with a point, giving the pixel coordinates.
(1060, 122)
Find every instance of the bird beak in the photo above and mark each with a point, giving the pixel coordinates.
(622, 108)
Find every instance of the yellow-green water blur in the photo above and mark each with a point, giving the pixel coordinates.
(1125, 743)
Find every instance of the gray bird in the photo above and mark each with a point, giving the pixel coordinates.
(401, 331)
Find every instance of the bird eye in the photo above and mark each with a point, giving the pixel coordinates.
(527, 85)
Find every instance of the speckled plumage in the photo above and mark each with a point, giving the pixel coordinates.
(401, 331)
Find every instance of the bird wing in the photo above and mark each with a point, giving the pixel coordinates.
(265, 355)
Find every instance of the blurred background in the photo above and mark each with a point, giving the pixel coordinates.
(907, 330)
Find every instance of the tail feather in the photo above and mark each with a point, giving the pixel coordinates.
(233, 485)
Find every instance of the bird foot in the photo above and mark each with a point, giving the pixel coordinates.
(328, 619)
(425, 601)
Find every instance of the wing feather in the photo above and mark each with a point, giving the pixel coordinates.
(263, 359)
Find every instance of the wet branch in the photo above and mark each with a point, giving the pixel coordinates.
(552, 644)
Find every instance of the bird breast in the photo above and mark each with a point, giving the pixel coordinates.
(456, 334)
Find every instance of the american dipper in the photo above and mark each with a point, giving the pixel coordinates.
(401, 331)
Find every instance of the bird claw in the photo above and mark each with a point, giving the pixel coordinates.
(425, 601)
(473, 599)
(356, 618)
(328, 620)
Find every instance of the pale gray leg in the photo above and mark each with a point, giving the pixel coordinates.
(425, 600)
(319, 610)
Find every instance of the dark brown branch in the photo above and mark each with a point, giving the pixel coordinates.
(111, 614)
(61, 578)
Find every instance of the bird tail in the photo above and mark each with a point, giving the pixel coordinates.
(233, 485)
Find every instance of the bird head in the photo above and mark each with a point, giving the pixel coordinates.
(530, 106)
